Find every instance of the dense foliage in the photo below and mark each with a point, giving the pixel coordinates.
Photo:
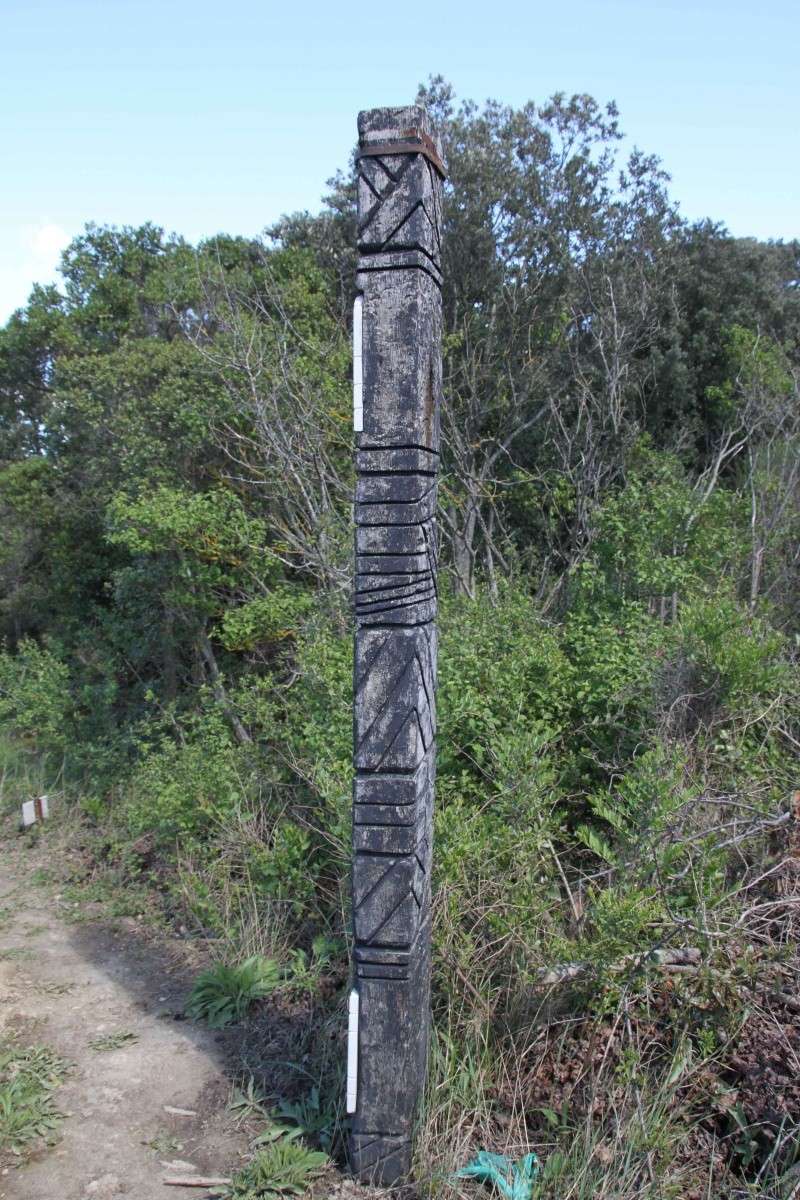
(619, 699)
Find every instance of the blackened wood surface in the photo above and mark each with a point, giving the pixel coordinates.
(397, 460)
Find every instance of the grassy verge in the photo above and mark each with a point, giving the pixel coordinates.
(664, 1071)
(616, 891)
(29, 1114)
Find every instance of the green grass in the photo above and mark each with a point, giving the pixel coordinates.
(29, 1078)
(285, 1167)
(223, 994)
(164, 1143)
(110, 895)
(113, 1041)
(53, 988)
(24, 773)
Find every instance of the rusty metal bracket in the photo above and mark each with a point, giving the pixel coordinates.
(412, 141)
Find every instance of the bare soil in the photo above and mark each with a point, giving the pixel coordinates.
(154, 1105)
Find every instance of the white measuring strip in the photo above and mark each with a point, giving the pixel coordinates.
(352, 1052)
(358, 376)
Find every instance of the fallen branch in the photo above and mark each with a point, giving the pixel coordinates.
(667, 960)
(198, 1181)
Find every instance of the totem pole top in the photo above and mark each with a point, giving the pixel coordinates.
(404, 130)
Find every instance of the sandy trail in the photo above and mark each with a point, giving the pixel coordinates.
(74, 983)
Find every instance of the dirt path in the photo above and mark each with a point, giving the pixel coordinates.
(66, 984)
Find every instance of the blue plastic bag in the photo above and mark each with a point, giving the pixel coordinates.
(513, 1180)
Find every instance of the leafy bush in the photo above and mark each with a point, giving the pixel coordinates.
(313, 1116)
(185, 791)
(502, 675)
(222, 994)
(738, 659)
(35, 697)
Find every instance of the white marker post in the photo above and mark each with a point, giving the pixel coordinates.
(34, 811)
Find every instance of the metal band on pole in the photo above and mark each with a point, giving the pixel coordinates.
(410, 141)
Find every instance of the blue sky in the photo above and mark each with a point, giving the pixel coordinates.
(217, 116)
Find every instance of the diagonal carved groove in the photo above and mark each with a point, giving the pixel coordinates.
(360, 902)
(376, 930)
(390, 747)
(366, 667)
(368, 183)
(383, 197)
(387, 701)
(383, 604)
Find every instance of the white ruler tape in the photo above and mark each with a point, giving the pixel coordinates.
(352, 1052)
(358, 376)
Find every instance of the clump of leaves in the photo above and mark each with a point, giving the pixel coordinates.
(305, 971)
(248, 1101)
(28, 1079)
(285, 1167)
(164, 1143)
(113, 1041)
(223, 994)
(312, 1116)
(52, 988)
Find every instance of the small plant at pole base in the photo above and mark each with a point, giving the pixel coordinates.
(223, 994)
(313, 1116)
(284, 1168)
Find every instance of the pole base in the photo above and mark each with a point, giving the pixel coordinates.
(381, 1160)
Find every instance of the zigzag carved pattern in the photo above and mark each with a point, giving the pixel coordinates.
(395, 715)
(395, 727)
(382, 181)
(389, 892)
(387, 900)
(401, 207)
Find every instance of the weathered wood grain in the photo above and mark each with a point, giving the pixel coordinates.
(397, 462)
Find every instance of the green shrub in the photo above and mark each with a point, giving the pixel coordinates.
(614, 654)
(185, 790)
(659, 537)
(284, 867)
(637, 805)
(739, 660)
(502, 677)
(35, 698)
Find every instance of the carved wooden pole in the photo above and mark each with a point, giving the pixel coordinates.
(397, 385)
